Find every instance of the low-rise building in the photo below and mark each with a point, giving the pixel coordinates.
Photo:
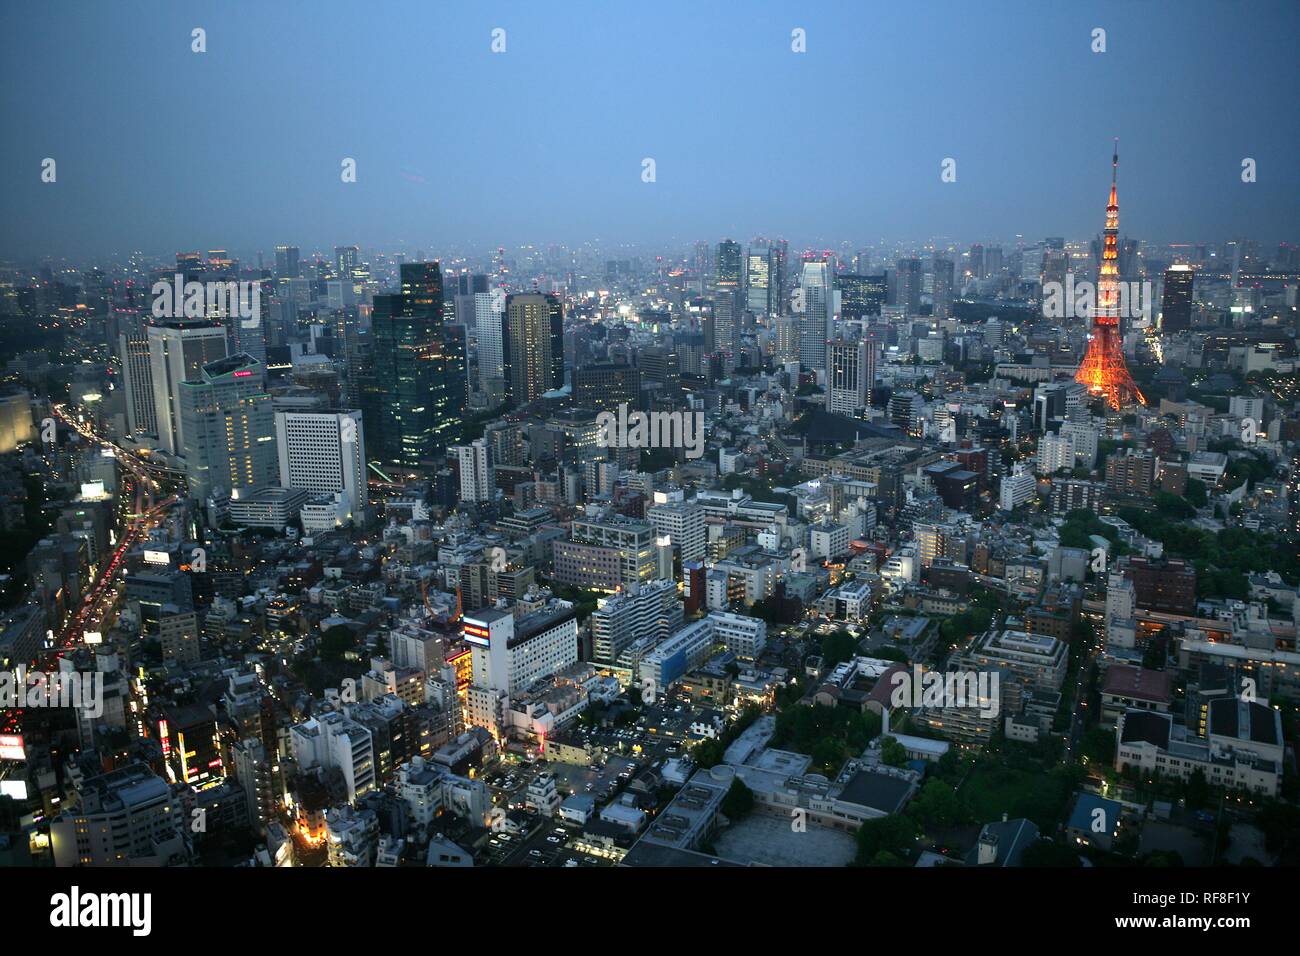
(1243, 750)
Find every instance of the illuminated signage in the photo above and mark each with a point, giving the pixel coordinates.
(156, 557)
(92, 489)
(475, 633)
(93, 637)
(11, 747)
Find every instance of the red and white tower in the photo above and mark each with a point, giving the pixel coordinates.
(1103, 369)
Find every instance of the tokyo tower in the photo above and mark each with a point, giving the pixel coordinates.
(1103, 369)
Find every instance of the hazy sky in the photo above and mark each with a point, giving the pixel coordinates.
(160, 148)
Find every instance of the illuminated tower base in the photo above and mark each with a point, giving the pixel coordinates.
(1104, 371)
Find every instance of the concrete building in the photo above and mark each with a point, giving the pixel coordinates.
(324, 452)
(124, 818)
(178, 632)
(332, 741)
(1243, 750)
(652, 609)
(1038, 660)
(510, 655)
(177, 353)
(477, 467)
(606, 554)
(227, 434)
(682, 522)
(742, 635)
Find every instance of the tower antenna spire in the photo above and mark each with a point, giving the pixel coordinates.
(1114, 163)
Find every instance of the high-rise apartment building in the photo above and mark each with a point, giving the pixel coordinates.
(488, 324)
(943, 287)
(727, 316)
(682, 522)
(1055, 451)
(477, 470)
(533, 346)
(648, 610)
(850, 373)
(907, 285)
(1131, 474)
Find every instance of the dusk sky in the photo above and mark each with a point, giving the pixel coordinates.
(159, 148)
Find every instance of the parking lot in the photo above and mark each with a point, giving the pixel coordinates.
(660, 731)
(549, 845)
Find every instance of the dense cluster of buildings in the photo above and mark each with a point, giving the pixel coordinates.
(343, 562)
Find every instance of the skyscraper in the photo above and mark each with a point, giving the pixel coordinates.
(861, 296)
(416, 389)
(177, 353)
(907, 279)
(760, 269)
(818, 306)
(137, 375)
(943, 281)
(491, 359)
(727, 313)
(727, 265)
(850, 374)
(533, 345)
(324, 452)
(286, 262)
(476, 463)
(993, 260)
(1176, 302)
(346, 260)
(228, 431)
